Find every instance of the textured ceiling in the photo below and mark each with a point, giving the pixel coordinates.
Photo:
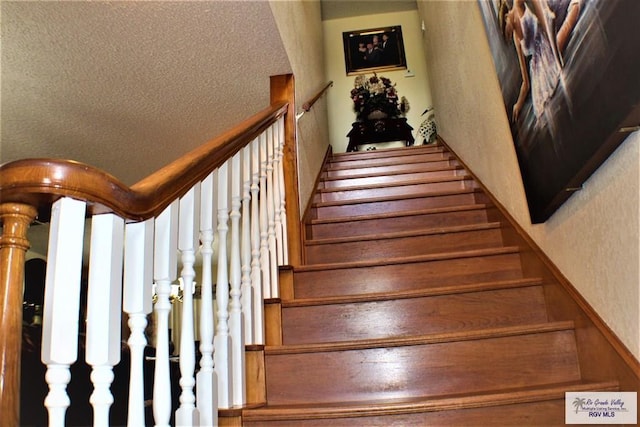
(129, 86)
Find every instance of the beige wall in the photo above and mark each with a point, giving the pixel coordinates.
(594, 237)
(415, 89)
(300, 27)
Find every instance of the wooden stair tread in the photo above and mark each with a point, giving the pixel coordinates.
(392, 151)
(437, 291)
(507, 331)
(346, 172)
(383, 222)
(412, 233)
(393, 173)
(394, 197)
(409, 259)
(414, 314)
(430, 365)
(445, 209)
(424, 404)
(415, 159)
(389, 151)
(408, 182)
(389, 245)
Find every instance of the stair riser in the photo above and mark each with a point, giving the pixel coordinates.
(546, 413)
(422, 370)
(388, 179)
(417, 158)
(391, 169)
(397, 190)
(404, 277)
(402, 246)
(396, 223)
(390, 206)
(413, 316)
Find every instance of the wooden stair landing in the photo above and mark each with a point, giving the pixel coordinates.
(412, 308)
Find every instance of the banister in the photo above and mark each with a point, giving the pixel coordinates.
(39, 182)
(29, 187)
(307, 105)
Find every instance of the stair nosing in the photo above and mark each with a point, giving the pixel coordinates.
(419, 293)
(439, 338)
(444, 209)
(403, 234)
(357, 409)
(500, 250)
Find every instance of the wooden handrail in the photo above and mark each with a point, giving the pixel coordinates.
(307, 105)
(39, 182)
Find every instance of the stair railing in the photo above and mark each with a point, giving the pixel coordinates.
(306, 107)
(225, 203)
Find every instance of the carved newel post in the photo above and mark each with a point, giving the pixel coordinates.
(15, 219)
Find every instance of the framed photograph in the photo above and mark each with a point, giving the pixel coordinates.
(569, 77)
(375, 49)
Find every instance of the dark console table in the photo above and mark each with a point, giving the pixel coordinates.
(379, 130)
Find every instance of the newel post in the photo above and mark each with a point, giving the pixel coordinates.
(13, 247)
(283, 89)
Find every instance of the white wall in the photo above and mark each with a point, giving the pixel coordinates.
(594, 238)
(415, 89)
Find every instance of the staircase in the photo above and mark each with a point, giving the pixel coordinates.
(411, 310)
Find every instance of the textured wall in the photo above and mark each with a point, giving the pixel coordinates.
(594, 237)
(416, 89)
(300, 27)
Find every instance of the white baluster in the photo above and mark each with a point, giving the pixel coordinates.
(62, 303)
(104, 306)
(189, 224)
(165, 268)
(264, 220)
(256, 279)
(247, 292)
(271, 230)
(236, 326)
(137, 303)
(222, 341)
(283, 210)
(206, 379)
(276, 195)
(57, 401)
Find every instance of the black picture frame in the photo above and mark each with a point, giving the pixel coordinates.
(384, 55)
(593, 106)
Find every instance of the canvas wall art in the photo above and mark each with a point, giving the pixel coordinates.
(569, 72)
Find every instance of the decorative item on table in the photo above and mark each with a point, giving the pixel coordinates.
(427, 129)
(376, 98)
